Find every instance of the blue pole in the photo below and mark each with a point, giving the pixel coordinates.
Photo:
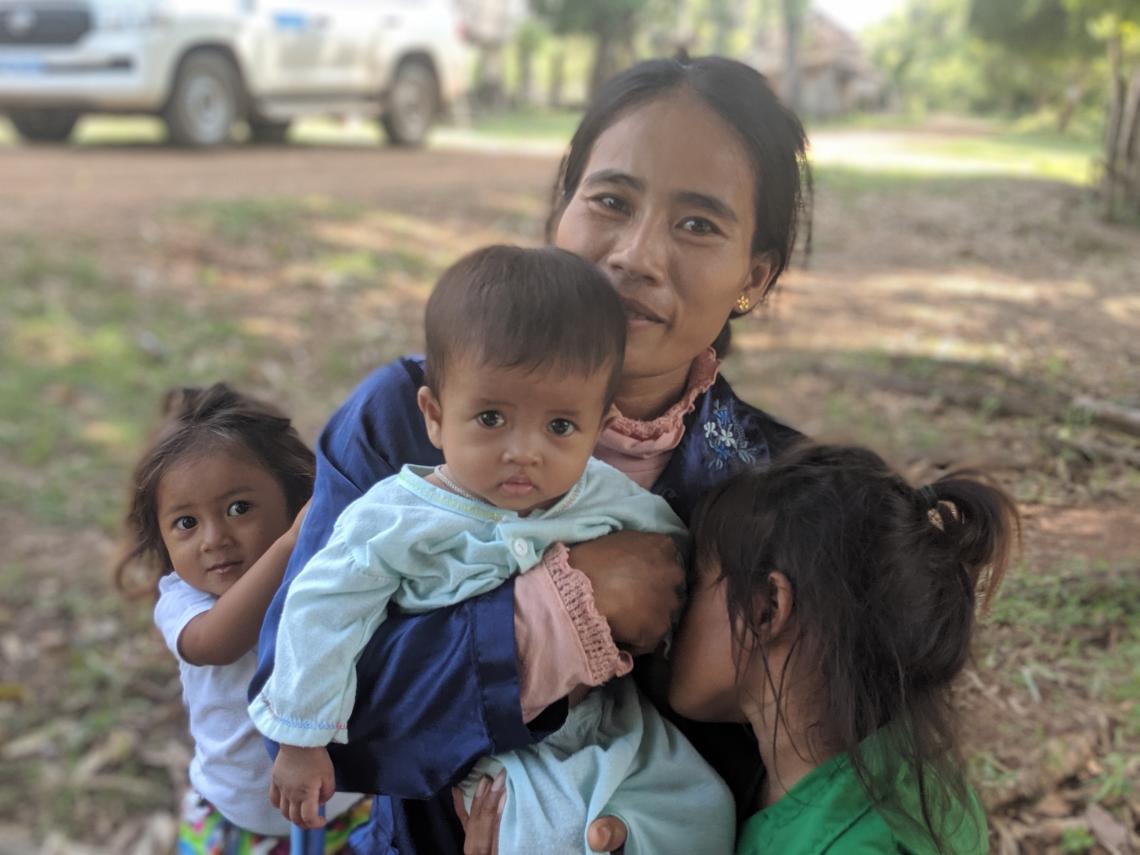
(307, 841)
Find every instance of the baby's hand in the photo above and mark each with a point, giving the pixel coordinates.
(302, 781)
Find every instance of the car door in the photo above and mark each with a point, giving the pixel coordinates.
(287, 45)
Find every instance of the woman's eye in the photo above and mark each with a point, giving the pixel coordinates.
(562, 427)
(236, 509)
(698, 226)
(491, 419)
(185, 523)
(611, 203)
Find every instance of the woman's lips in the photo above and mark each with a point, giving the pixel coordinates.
(638, 314)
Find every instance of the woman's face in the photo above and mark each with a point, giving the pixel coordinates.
(665, 208)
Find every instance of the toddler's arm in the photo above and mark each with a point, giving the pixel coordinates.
(229, 629)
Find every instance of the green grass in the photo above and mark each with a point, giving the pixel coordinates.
(1083, 619)
(948, 159)
(85, 360)
(240, 220)
(531, 124)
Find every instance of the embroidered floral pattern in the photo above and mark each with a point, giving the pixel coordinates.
(725, 439)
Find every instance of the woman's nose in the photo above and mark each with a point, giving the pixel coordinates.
(640, 250)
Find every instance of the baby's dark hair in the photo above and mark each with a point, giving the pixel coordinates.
(886, 580)
(200, 421)
(512, 307)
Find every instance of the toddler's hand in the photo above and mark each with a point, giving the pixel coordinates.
(302, 781)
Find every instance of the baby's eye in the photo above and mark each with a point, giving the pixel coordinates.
(562, 427)
(491, 419)
(698, 226)
(236, 509)
(185, 523)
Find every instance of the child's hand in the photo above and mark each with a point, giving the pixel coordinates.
(302, 781)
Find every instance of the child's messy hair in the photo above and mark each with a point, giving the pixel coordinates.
(525, 308)
(200, 421)
(886, 580)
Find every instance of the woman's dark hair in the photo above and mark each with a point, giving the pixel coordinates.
(885, 579)
(525, 308)
(199, 421)
(741, 96)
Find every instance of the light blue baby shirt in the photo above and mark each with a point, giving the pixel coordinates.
(422, 547)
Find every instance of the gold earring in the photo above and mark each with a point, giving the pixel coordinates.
(743, 304)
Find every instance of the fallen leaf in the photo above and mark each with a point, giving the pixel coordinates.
(117, 745)
(35, 743)
(13, 692)
(1053, 805)
(1109, 833)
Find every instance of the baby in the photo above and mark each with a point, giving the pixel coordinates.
(524, 355)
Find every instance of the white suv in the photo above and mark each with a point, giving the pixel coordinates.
(203, 64)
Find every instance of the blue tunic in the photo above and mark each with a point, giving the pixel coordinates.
(413, 731)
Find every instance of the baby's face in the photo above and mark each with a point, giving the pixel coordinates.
(515, 438)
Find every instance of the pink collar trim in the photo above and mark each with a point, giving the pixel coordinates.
(644, 438)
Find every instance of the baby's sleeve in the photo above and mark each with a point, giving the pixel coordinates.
(618, 503)
(332, 609)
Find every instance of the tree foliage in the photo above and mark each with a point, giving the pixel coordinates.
(999, 56)
(612, 24)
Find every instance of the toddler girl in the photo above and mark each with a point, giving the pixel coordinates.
(835, 606)
(524, 353)
(217, 498)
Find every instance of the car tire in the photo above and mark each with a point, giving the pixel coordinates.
(413, 101)
(44, 126)
(204, 102)
(264, 132)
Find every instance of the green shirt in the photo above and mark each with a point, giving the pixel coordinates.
(827, 811)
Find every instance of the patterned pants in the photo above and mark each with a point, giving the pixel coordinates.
(204, 831)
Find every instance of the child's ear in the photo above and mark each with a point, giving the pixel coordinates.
(780, 604)
(612, 413)
(433, 415)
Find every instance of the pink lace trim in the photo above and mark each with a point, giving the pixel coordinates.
(603, 659)
(701, 376)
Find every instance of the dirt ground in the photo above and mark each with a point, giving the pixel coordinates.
(943, 321)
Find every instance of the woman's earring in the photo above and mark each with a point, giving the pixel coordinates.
(743, 304)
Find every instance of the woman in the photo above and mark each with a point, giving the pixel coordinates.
(682, 184)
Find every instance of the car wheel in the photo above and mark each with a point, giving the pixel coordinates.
(413, 101)
(264, 132)
(44, 126)
(204, 101)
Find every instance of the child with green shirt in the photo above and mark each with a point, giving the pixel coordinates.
(834, 607)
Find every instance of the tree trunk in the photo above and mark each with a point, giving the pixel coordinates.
(1112, 126)
(489, 91)
(723, 22)
(603, 61)
(557, 75)
(792, 26)
(1072, 99)
(1128, 152)
(525, 92)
